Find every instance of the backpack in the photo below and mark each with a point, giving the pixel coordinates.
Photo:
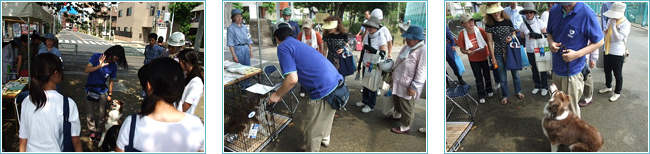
(130, 148)
(67, 127)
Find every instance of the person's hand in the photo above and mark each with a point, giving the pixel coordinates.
(108, 97)
(101, 61)
(554, 47)
(494, 62)
(592, 64)
(470, 52)
(251, 54)
(339, 51)
(508, 39)
(569, 55)
(274, 98)
(234, 58)
(411, 92)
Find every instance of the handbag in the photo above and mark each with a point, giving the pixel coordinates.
(346, 63)
(543, 58)
(93, 95)
(67, 127)
(459, 64)
(130, 148)
(339, 97)
(513, 55)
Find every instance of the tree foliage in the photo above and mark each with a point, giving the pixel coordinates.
(79, 7)
(182, 14)
(269, 6)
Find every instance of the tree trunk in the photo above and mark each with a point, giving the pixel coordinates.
(340, 9)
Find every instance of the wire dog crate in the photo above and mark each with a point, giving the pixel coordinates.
(250, 125)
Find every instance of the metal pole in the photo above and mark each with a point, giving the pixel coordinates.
(259, 39)
(29, 52)
(171, 27)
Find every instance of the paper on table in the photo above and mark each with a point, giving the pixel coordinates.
(259, 89)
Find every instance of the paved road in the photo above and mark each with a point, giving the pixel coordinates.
(517, 125)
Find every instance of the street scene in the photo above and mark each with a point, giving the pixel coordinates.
(617, 108)
(261, 82)
(167, 33)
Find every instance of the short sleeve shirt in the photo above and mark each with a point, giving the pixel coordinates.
(575, 30)
(54, 50)
(319, 38)
(152, 52)
(315, 73)
(480, 55)
(187, 135)
(101, 75)
(237, 35)
(500, 31)
(334, 43)
(192, 94)
(43, 127)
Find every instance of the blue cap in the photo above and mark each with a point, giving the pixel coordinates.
(49, 36)
(414, 33)
(235, 11)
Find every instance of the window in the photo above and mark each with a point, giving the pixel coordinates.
(126, 29)
(119, 13)
(129, 11)
(118, 29)
(163, 8)
(153, 11)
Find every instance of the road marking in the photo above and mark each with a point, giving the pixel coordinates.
(91, 42)
(66, 41)
(60, 41)
(86, 42)
(78, 36)
(73, 41)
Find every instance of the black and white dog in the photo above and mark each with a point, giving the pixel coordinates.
(112, 120)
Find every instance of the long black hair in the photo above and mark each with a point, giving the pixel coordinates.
(117, 50)
(165, 77)
(42, 70)
(190, 57)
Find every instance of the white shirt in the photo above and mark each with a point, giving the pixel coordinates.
(386, 33)
(617, 46)
(187, 135)
(192, 94)
(43, 129)
(544, 17)
(537, 27)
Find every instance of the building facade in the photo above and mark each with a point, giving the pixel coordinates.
(135, 20)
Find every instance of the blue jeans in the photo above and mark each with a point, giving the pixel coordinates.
(504, 78)
(244, 57)
(369, 97)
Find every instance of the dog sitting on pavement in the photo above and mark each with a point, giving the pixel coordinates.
(112, 118)
(562, 127)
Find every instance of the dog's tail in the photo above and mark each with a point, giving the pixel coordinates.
(582, 147)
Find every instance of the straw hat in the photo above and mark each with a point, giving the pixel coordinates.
(494, 8)
(528, 6)
(330, 24)
(617, 11)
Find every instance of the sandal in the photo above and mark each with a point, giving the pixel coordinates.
(504, 101)
(520, 95)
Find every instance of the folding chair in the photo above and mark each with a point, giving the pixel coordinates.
(19, 100)
(268, 71)
(458, 94)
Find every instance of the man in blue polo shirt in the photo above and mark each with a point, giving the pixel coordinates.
(572, 25)
(302, 63)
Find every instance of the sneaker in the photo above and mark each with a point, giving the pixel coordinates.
(378, 92)
(535, 91)
(490, 94)
(544, 92)
(302, 94)
(422, 130)
(366, 109)
(361, 90)
(498, 85)
(614, 97)
(360, 104)
(482, 100)
(606, 90)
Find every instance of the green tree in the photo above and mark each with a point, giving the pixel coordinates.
(238, 5)
(269, 6)
(182, 14)
(79, 7)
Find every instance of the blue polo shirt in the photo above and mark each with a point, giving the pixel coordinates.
(152, 52)
(54, 50)
(315, 73)
(294, 28)
(101, 75)
(574, 30)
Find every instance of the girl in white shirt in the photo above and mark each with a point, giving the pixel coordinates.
(160, 127)
(188, 59)
(41, 129)
(616, 31)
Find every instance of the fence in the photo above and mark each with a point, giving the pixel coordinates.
(635, 12)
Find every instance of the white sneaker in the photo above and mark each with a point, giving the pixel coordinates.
(544, 92)
(302, 94)
(498, 85)
(378, 92)
(360, 104)
(482, 100)
(361, 90)
(366, 109)
(490, 94)
(535, 91)
(606, 90)
(614, 97)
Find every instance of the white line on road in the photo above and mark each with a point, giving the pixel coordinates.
(66, 41)
(60, 41)
(73, 41)
(91, 42)
(86, 42)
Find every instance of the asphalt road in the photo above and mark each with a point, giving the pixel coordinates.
(516, 127)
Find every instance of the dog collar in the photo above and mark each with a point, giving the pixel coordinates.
(563, 116)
